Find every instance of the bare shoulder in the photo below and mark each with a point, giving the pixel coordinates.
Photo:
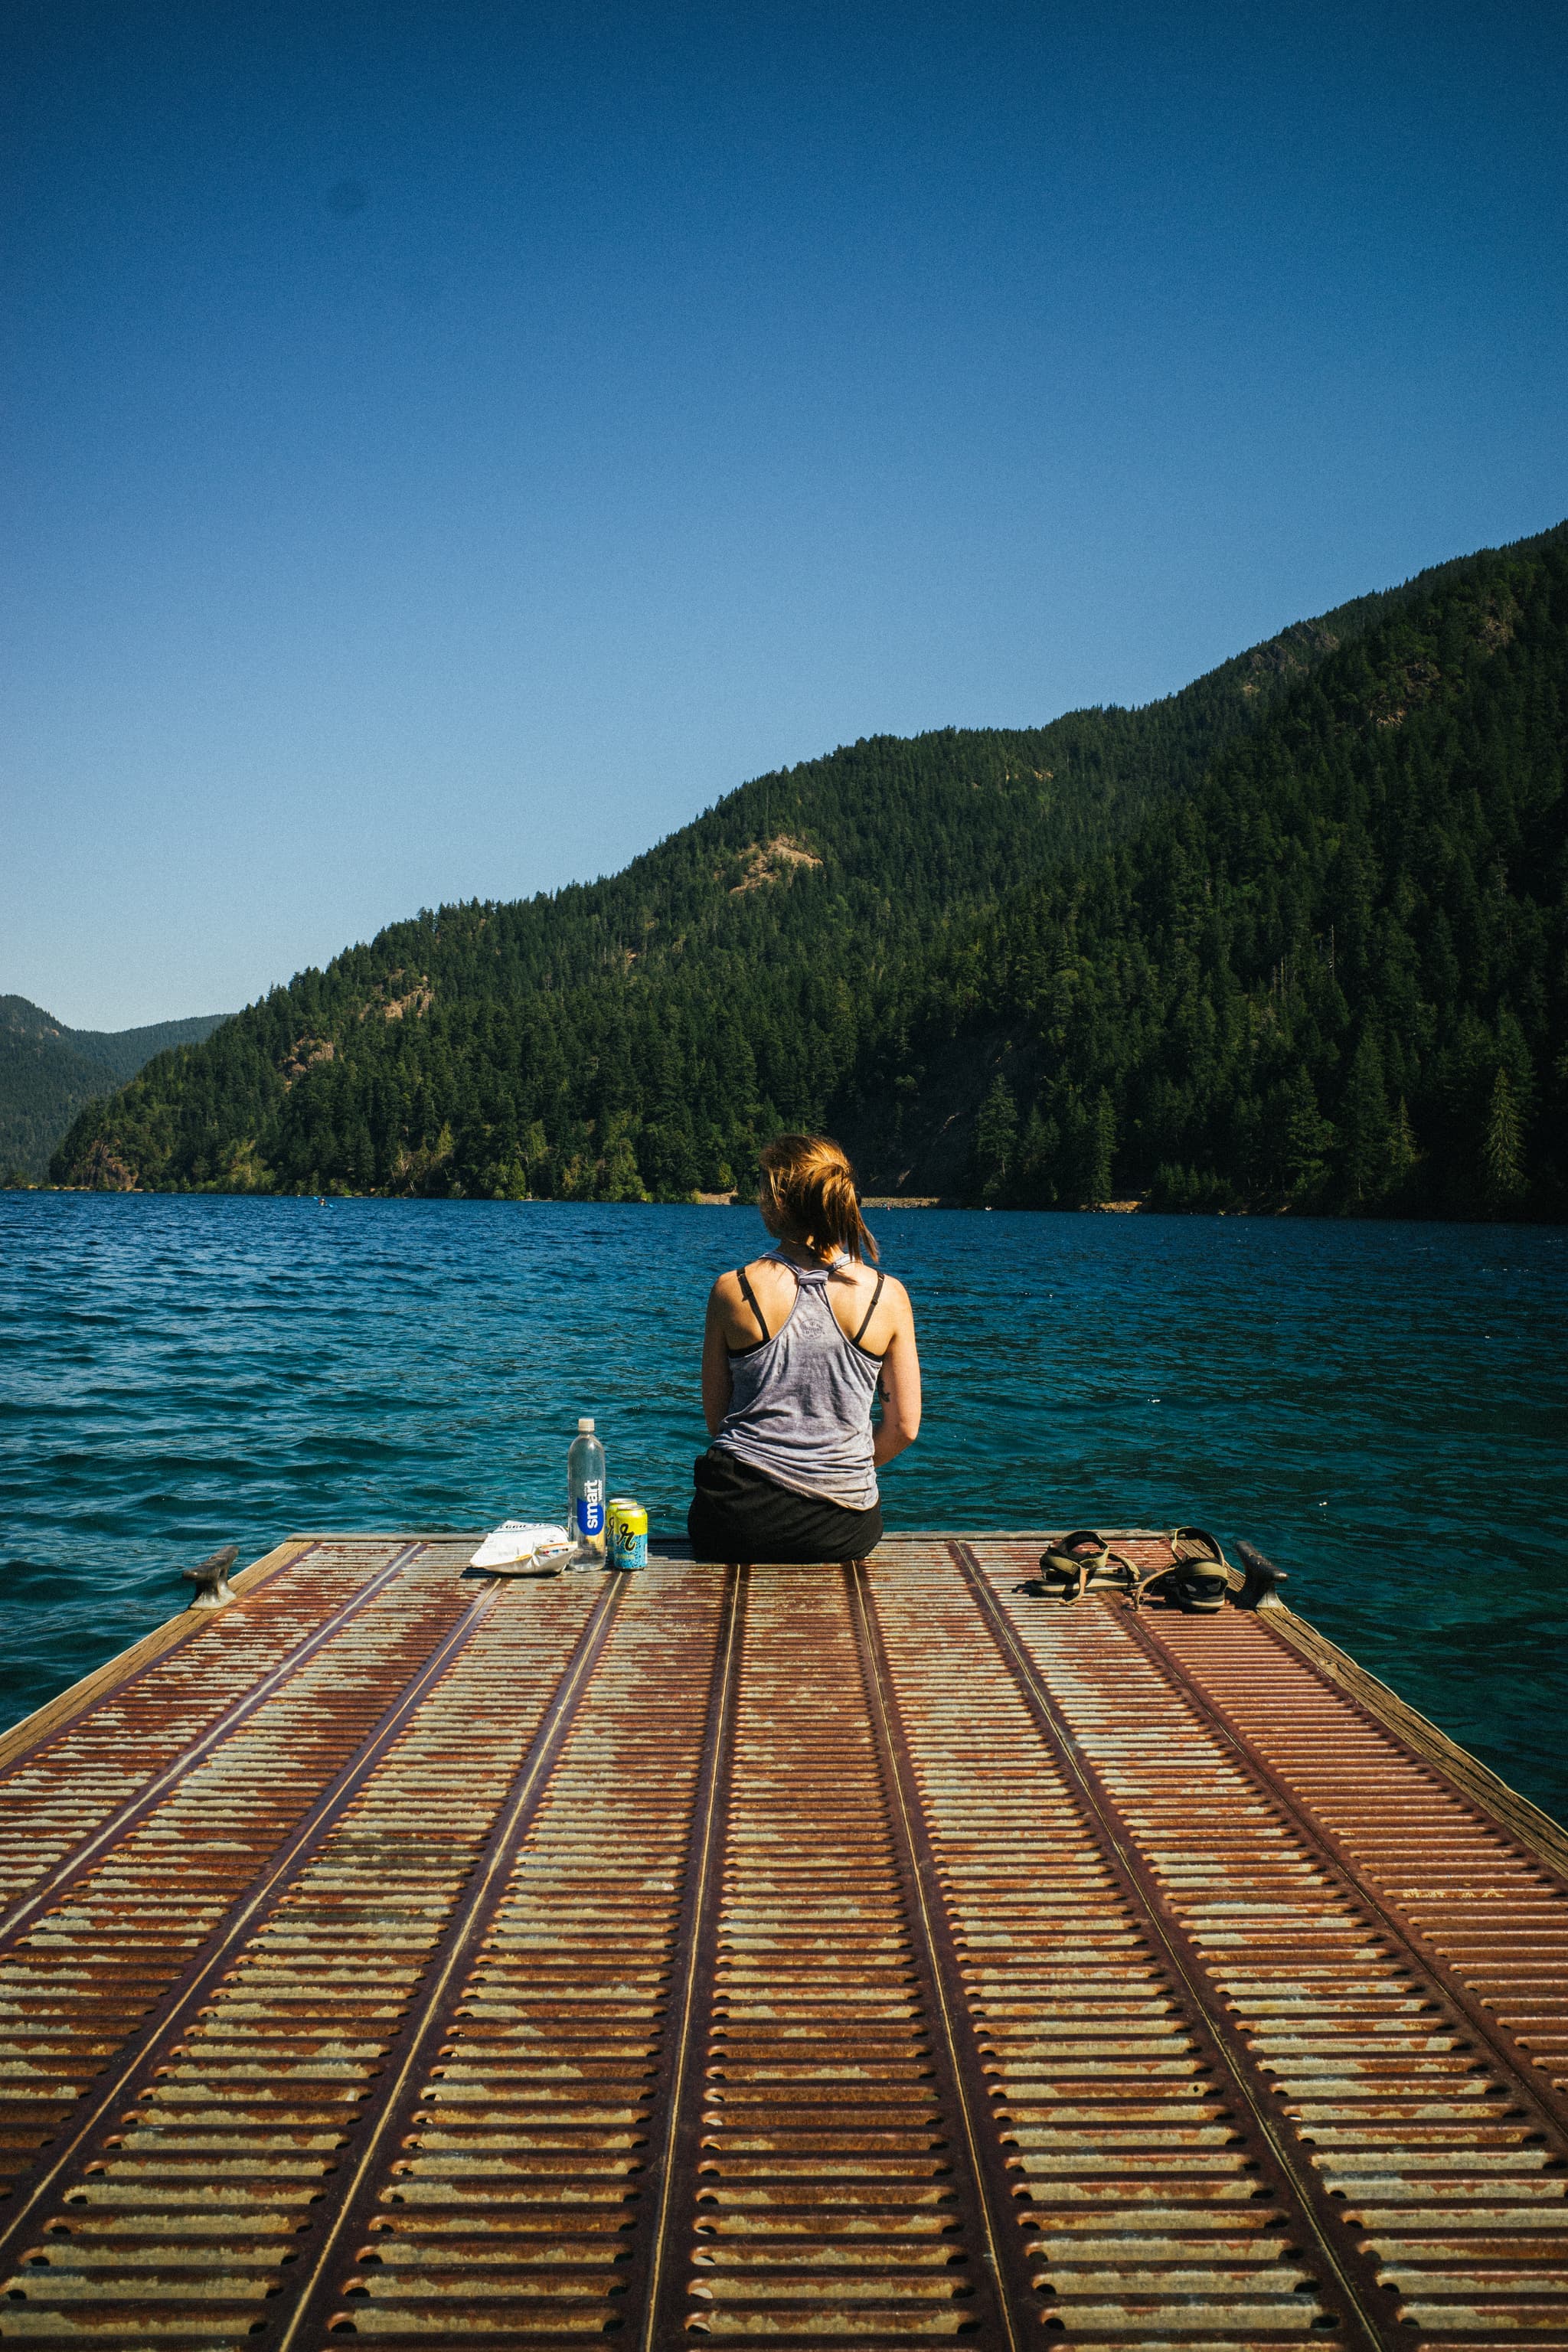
(892, 1293)
(895, 1304)
(745, 1320)
(727, 1297)
(871, 1307)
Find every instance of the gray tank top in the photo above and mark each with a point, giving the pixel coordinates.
(800, 1409)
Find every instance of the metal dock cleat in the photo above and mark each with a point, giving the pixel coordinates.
(210, 1577)
(1260, 1589)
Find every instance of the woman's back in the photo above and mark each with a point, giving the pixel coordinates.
(796, 1346)
(852, 1290)
(801, 1389)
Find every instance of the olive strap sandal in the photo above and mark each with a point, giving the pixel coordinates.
(1198, 1578)
(1073, 1562)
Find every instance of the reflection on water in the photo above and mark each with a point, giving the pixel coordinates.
(1380, 1407)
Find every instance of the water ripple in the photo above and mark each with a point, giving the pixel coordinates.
(1380, 1407)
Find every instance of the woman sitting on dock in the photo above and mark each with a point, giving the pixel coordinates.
(795, 1347)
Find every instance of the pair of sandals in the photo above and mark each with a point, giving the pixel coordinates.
(1198, 1578)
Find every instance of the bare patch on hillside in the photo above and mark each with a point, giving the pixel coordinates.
(771, 861)
(1497, 624)
(416, 999)
(417, 1002)
(303, 1055)
(1415, 683)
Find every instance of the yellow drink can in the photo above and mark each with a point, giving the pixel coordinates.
(627, 1531)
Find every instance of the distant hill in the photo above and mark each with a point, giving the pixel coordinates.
(48, 1072)
(1292, 937)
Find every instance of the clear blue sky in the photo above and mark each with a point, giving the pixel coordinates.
(450, 443)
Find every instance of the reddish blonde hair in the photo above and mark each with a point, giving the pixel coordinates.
(807, 1194)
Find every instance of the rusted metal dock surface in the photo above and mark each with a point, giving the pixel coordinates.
(847, 1957)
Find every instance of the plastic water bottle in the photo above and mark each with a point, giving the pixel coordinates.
(585, 1492)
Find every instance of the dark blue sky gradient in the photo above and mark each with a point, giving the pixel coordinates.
(450, 445)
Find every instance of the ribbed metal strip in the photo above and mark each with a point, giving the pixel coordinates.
(115, 1677)
(1148, 2210)
(66, 2156)
(1009, 2310)
(1390, 1905)
(76, 1774)
(1418, 2134)
(662, 2241)
(77, 1983)
(837, 2203)
(189, 2214)
(59, 1795)
(1468, 1893)
(22, 1804)
(523, 2202)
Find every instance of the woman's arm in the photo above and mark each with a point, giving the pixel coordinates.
(717, 1384)
(901, 1386)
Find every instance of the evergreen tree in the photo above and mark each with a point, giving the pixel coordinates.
(1102, 1148)
(511, 1180)
(1365, 1130)
(620, 1178)
(1502, 1149)
(1403, 1155)
(1036, 1179)
(996, 1138)
(1305, 1136)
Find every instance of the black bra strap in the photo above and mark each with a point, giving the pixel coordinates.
(750, 1298)
(870, 1310)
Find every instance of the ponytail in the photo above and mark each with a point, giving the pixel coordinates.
(807, 1194)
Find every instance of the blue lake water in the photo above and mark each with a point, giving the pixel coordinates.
(1380, 1406)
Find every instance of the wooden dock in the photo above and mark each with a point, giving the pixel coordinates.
(813, 1957)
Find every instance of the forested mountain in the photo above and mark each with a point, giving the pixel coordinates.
(1335, 974)
(1294, 936)
(49, 1072)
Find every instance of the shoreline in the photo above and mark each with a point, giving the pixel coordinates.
(1138, 1205)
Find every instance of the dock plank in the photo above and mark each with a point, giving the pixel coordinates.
(825, 1957)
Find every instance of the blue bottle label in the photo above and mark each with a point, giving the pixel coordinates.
(591, 1508)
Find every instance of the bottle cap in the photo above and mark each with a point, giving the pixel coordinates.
(586, 1427)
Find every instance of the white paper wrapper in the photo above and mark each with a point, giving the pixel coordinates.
(515, 1541)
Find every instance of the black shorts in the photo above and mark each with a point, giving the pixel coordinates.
(739, 1514)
